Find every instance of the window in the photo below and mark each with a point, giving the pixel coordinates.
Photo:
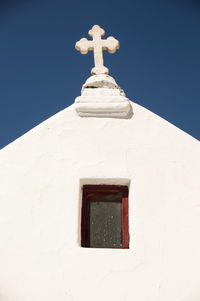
(104, 222)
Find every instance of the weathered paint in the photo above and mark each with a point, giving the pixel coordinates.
(102, 97)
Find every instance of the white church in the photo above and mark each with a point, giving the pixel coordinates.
(100, 201)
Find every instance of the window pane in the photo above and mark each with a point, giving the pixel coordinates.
(104, 224)
(104, 221)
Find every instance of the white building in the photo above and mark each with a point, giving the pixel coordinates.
(101, 139)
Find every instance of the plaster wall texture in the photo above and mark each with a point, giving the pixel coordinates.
(41, 175)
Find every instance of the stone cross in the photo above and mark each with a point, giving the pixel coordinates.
(97, 45)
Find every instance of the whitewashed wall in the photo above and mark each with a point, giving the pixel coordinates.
(40, 178)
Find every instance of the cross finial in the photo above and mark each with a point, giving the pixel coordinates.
(97, 45)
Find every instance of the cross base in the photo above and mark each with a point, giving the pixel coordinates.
(99, 70)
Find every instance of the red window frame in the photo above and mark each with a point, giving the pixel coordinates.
(105, 189)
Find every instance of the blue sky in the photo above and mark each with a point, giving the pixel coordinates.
(158, 63)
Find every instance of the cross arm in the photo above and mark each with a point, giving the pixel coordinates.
(110, 44)
(83, 45)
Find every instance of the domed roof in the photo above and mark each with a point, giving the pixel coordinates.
(102, 97)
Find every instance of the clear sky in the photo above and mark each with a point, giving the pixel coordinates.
(158, 63)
